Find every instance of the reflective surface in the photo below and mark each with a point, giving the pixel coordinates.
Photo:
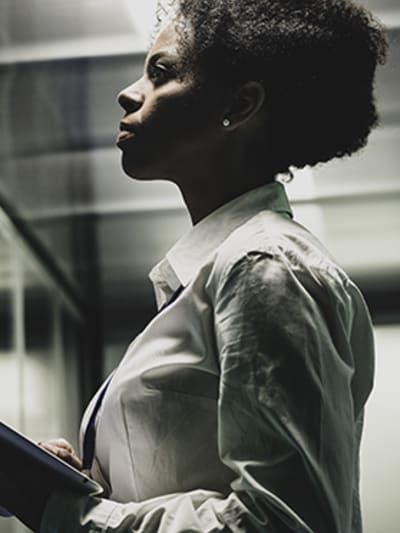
(40, 349)
(39, 345)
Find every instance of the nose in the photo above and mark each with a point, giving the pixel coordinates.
(130, 98)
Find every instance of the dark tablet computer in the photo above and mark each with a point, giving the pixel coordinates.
(22, 456)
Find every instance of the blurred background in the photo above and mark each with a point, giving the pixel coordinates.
(77, 237)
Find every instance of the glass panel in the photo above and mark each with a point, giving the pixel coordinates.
(40, 350)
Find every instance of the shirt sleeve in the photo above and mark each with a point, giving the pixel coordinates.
(286, 419)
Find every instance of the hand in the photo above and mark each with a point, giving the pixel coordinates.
(63, 450)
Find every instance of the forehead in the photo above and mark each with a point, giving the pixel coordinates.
(167, 40)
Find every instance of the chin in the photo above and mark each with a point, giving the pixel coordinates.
(136, 171)
(142, 172)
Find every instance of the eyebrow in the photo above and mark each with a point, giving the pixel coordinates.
(159, 54)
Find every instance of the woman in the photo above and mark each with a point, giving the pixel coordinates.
(240, 406)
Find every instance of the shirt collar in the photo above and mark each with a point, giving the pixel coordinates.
(185, 258)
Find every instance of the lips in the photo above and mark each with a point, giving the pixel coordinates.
(125, 134)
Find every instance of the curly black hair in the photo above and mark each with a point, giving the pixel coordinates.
(316, 59)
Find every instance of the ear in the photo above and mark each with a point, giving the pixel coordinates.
(245, 104)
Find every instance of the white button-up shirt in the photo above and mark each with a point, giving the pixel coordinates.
(239, 407)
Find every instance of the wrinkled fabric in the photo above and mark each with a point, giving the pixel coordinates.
(240, 406)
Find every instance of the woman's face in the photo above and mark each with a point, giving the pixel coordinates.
(170, 126)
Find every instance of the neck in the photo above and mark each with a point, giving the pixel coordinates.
(215, 177)
(204, 195)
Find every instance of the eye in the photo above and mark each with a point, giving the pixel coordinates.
(159, 72)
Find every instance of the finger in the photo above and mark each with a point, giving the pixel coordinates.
(51, 448)
(61, 443)
(70, 458)
(52, 444)
(62, 453)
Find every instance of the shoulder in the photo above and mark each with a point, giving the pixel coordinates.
(271, 252)
(276, 238)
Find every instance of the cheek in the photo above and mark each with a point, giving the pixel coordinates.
(183, 116)
(177, 119)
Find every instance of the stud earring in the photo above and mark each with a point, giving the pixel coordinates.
(226, 122)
